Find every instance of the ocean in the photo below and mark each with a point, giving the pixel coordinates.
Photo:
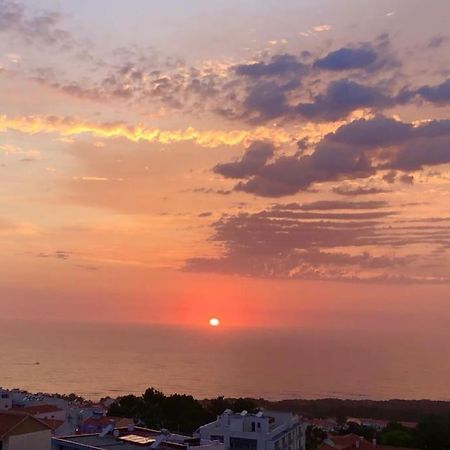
(97, 359)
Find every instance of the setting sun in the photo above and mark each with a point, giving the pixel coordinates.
(214, 322)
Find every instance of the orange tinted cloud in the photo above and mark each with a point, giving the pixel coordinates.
(206, 138)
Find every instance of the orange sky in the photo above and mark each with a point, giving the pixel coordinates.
(268, 166)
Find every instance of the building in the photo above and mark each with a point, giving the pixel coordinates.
(98, 424)
(5, 400)
(262, 431)
(327, 425)
(23, 432)
(378, 424)
(354, 442)
(133, 438)
(43, 411)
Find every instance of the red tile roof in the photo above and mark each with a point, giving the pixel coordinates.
(348, 440)
(354, 442)
(106, 420)
(9, 421)
(37, 409)
(54, 424)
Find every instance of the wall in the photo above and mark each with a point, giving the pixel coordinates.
(40, 440)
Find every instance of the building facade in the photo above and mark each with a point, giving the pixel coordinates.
(23, 432)
(262, 431)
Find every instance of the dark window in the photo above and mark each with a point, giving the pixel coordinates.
(217, 437)
(253, 426)
(242, 444)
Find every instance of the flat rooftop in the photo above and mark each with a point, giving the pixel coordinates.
(128, 439)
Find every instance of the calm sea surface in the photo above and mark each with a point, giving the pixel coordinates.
(95, 360)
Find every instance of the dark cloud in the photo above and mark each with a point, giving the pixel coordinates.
(439, 94)
(347, 59)
(354, 151)
(283, 243)
(279, 65)
(205, 214)
(267, 100)
(358, 190)
(341, 98)
(255, 157)
(377, 132)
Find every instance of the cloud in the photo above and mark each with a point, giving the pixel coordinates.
(70, 126)
(255, 157)
(439, 94)
(267, 100)
(437, 41)
(347, 59)
(322, 205)
(356, 150)
(282, 242)
(341, 98)
(205, 214)
(322, 28)
(358, 190)
(279, 65)
(58, 254)
(41, 28)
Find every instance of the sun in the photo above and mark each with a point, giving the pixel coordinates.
(214, 322)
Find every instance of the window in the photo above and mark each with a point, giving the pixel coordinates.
(242, 444)
(253, 426)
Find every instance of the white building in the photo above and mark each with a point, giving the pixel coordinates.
(262, 431)
(5, 400)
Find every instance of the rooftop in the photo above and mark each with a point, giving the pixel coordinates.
(10, 421)
(38, 409)
(353, 442)
(132, 438)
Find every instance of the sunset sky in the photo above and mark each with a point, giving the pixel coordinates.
(266, 162)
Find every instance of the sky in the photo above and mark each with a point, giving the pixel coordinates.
(270, 163)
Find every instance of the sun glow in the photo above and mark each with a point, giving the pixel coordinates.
(214, 322)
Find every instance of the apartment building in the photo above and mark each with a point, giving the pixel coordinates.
(269, 430)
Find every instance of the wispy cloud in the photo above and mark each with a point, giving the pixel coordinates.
(70, 127)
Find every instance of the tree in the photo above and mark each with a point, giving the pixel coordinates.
(397, 435)
(433, 432)
(180, 413)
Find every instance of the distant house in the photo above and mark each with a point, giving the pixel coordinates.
(43, 411)
(268, 430)
(327, 425)
(354, 442)
(5, 400)
(23, 432)
(97, 424)
(378, 424)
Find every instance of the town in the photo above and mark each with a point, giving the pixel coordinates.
(60, 422)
